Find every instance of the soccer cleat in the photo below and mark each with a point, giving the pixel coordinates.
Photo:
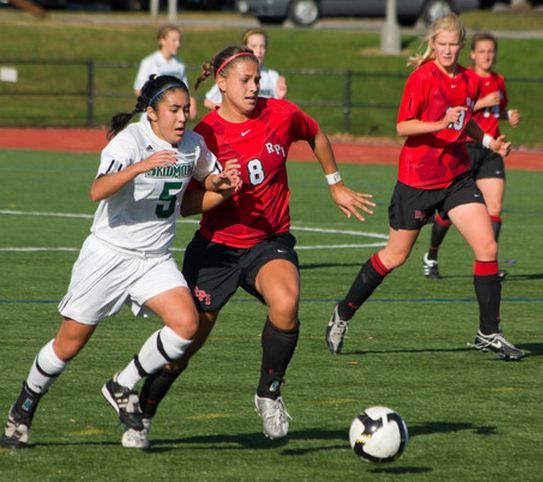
(335, 331)
(274, 416)
(16, 431)
(137, 439)
(125, 402)
(496, 342)
(430, 267)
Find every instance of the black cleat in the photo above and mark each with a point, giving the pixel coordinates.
(430, 267)
(125, 402)
(16, 431)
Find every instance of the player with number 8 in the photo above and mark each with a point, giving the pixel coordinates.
(246, 241)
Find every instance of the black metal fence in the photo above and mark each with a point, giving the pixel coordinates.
(87, 93)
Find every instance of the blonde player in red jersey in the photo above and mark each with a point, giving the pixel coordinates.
(436, 119)
(246, 241)
(488, 167)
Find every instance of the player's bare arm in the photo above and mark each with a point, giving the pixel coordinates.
(500, 145)
(349, 201)
(416, 127)
(488, 100)
(198, 200)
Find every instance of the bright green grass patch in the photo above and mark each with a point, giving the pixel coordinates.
(471, 416)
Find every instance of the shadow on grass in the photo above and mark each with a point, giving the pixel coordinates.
(530, 350)
(406, 350)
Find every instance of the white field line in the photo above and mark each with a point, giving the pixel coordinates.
(344, 232)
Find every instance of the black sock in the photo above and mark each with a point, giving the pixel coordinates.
(154, 389)
(439, 231)
(371, 275)
(496, 227)
(26, 405)
(277, 349)
(488, 291)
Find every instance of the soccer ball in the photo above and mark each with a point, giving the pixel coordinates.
(378, 435)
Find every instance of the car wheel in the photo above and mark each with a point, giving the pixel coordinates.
(303, 12)
(434, 9)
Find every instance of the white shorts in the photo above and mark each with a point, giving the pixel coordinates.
(103, 279)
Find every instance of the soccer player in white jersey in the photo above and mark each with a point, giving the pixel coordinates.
(272, 85)
(143, 173)
(165, 61)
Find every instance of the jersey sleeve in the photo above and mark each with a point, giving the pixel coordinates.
(214, 94)
(411, 101)
(144, 71)
(206, 163)
(117, 155)
(303, 127)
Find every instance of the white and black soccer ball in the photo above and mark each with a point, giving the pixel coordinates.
(378, 435)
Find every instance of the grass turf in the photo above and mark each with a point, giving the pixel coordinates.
(470, 415)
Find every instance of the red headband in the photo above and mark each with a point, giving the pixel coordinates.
(232, 57)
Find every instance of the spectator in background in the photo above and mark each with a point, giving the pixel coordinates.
(487, 166)
(164, 61)
(272, 85)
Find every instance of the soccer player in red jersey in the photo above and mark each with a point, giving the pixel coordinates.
(487, 166)
(435, 117)
(245, 241)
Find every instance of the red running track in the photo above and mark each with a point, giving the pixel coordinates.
(93, 140)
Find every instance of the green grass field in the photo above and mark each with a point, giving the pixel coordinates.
(471, 416)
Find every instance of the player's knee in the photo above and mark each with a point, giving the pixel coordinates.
(184, 324)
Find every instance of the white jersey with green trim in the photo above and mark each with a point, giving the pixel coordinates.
(141, 216)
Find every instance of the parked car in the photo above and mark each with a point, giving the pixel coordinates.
(307, 12)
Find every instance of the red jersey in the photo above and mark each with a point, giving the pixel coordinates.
(433, 161)
(489, 117)
(260, 208)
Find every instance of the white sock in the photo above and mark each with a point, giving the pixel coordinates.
(160, 348)
(45, 369)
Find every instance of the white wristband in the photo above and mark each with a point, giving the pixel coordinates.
(487, 139)
(509, 113)
(333, 178)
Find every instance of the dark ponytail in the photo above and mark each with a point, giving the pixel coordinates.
(151, 92)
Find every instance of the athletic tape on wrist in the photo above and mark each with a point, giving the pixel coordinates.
(487, 139)
(333, 178)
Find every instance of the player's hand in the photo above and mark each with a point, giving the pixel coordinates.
(157, 159)
(229, 178)
(513, 117)
(452, 115)
(501, 146)
(351, 202)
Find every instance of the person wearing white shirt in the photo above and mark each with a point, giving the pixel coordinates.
(164, 61)
(143, 174)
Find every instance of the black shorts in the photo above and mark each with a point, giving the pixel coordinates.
(214, 271)
(411, 208)
(485, 163)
